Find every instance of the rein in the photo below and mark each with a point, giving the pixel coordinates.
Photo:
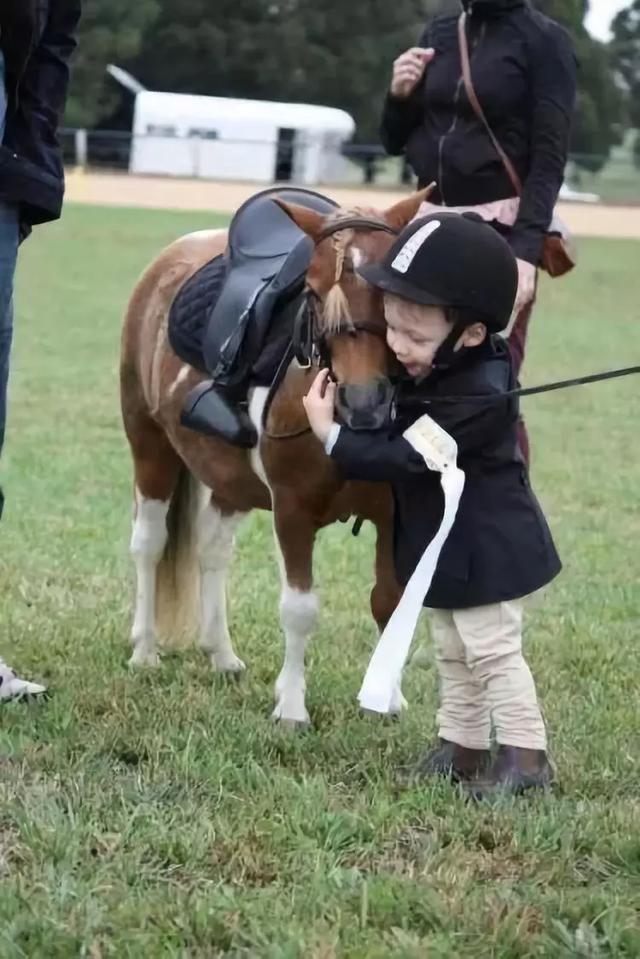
(529, 390)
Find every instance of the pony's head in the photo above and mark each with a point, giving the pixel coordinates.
(348, 325)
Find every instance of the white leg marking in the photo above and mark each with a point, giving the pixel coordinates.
(215, 548)
(298, 614)
(298, 610)
(148, 540)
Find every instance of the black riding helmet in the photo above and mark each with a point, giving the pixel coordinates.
(450, 260)
(454, 261)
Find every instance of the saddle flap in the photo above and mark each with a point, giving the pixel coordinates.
(252, 297)
(268, 257)
(230, 313)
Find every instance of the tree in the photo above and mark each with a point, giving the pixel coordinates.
(625, 49)
(570, 13)
(110, 31)
(333, 52)
(322, 51)
(598, 121)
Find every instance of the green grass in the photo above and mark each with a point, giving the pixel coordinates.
(163, 815)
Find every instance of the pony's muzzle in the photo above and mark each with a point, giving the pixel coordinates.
(365, 406)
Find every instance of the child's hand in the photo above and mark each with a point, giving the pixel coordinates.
(319, 403)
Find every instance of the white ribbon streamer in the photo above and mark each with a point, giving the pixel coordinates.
(382, 679)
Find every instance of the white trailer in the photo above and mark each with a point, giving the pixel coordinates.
(227, 139)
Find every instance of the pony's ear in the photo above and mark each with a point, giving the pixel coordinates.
(309, 221)
(403, 212)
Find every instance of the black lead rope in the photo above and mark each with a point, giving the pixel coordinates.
(531, 390)
(527, 391)
(579, 381)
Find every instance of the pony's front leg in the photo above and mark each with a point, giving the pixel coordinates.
(295, 534)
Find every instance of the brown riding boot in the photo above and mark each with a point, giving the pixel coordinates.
(447, 759)
(513, 772)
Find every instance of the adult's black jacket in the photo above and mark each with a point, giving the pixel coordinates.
(524, 73)
(37, 39)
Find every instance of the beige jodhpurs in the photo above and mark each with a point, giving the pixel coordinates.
(484, 679)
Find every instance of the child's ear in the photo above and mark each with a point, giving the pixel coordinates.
(474, 335)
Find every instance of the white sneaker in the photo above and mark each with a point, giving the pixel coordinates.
(12, 687)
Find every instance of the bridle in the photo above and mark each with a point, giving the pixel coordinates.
(310, 337)
(309, 343)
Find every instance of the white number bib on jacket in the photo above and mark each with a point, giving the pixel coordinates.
(381, 681)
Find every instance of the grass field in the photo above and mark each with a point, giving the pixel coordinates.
(164, 815)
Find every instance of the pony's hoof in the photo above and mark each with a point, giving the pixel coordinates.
(392, 716)
(232, 668)
(291, 724)
(144, 659)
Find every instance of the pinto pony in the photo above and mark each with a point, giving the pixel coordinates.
(191, 491)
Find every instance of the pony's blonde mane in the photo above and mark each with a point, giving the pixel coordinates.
(336, 313)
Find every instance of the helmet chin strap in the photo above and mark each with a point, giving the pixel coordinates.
(446, 355)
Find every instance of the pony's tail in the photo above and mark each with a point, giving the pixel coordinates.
(178, 572)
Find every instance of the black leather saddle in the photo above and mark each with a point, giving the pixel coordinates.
(267, 259)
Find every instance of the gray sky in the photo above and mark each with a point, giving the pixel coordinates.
(601, 13)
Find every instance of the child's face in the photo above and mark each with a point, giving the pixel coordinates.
(415, 333)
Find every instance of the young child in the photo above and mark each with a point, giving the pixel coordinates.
(449, 285)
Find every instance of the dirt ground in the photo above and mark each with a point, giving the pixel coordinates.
(113, 189)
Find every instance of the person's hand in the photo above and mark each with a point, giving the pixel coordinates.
(408, 70)
(526, 286)
(319, 403)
